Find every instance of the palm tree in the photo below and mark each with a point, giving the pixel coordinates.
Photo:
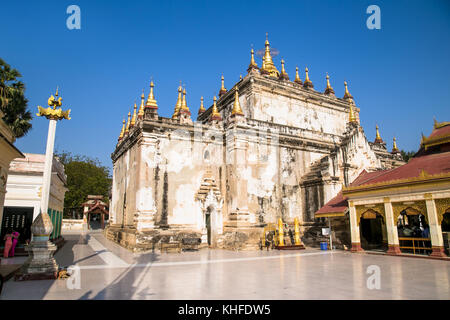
(12, 100)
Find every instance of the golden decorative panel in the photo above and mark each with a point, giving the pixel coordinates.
(442, 206)
(398, 207)
(377, 208)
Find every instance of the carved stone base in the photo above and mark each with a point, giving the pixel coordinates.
(393, 250)
(40, 264)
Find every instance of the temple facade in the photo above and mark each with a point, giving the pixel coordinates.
(267, 148)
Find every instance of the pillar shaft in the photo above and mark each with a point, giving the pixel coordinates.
(48, 166)
(392, 232)
(354, 229)
(437, 241)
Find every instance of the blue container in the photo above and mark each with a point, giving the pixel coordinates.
(323, 246)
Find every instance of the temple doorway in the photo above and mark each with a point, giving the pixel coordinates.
(209, 217)
(373, 231)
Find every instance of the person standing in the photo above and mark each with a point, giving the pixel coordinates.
(8, 242)
(15, 235)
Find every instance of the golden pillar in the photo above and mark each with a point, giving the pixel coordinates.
(296, 232)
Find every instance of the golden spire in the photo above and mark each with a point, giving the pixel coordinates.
(222, 89)
(283, 74)
(307, 84)
(328, 89)
(127, 128)
(252, 64)
(184, 107)
(122, 132)
(141, 107)
(202, 108)
(347, 94)
(151, 102)
(268, 66)
(297, 77)
(240, 77)
(178, 104)
(215, 115)
(351, 116)
(394, 147)
(133, 119)
(237, 110)
(378, 137)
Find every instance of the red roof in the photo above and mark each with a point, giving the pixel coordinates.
(442, 131)
(431, 164)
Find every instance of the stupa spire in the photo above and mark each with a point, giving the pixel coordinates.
(202, 108)
(141, 107)
(351, 115)
(347, 95)
(122, 132)
(222, 88)
(394, 146)
(237, 110)
(252, 64)
(283, 74)
(178, 104)
(215, 115)
(184, 107)
(268, 66)
(329, 89)
(297, 77)
(133, 119)
(307, 84)
(127, 128)
(151, 102)
(378, 137)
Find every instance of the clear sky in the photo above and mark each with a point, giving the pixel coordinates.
(399, 75)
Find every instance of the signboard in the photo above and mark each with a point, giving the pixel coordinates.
(326, 231)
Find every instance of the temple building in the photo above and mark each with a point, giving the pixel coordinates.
(267, 148)
(404, 210)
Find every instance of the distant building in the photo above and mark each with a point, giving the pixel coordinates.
(23, 197)
(8, 152)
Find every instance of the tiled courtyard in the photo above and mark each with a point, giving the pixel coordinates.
(108, 271)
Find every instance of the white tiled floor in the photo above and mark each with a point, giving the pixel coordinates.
(108, 271)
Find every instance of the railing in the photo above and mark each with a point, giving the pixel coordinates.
(417, 244)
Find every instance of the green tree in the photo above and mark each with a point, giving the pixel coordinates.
(12, 100)
(84, 176)
(406, 155)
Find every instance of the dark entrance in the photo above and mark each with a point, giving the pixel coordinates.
(372, 235)
(208, 225)
(19, 219)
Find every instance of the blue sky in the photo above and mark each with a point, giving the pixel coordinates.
(399, 75)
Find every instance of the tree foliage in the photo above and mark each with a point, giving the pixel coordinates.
(12, 100)
(85, 176)
(406, 155)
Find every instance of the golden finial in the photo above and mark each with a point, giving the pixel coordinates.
(127, 128)
(297, 77)
(215, 115)
(268, 66)
(54, 111)
(178, 104)
(202, 108)
(240, 77)
(283, 74)
(307, 84)
(151, 102)
(347, 94)
(184, 107)
(133, 119)
(328, 89)
(122, 132)
(378, 137)
(56, 93)
(394, 146)
(141, 107)
(351, 117)
(252, 64)
(222, 88)
(237, 110)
